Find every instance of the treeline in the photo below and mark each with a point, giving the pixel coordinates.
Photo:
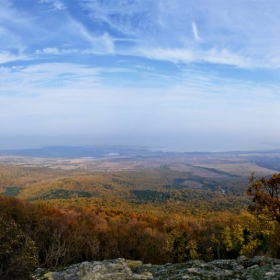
(37, 235)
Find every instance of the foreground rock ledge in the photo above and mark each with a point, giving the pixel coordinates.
(121, 269)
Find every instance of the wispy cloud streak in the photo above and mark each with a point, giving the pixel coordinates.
(195, 32)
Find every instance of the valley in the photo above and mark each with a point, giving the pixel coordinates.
(71, 205)
(167, 182)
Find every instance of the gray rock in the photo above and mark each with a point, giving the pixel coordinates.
(121, 269)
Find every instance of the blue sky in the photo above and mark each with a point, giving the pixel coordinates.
(185, 74)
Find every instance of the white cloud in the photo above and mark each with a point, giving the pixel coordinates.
(122, 15)
(154, 29)
(195, 32)
(225, 56)
(65, 97)
(216, 56)
(174, 55)
(56, 51)
(99, 44)
(13, 25)
(242, 35)
(55, 5)
(8, 57)
(44, 79)
(83, 84)
(58, 6)
(103, 44)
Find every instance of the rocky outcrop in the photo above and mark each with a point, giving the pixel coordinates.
(121, 269)
(118, 269)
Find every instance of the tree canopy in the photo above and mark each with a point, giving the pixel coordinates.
(266, 197)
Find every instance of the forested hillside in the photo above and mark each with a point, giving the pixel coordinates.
(52, 237)
(164, 190)
(62, 217)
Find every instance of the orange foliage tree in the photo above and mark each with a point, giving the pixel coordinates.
(266, 197)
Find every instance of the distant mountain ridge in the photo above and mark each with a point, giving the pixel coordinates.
(101, 151)
(75, 151)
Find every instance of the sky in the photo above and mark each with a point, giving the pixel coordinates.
(187, 75)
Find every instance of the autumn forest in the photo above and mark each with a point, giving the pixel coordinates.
(55, 217)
